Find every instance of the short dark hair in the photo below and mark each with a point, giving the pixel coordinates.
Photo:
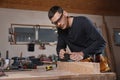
(53, 10)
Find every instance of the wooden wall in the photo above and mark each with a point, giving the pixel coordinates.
(100, 7)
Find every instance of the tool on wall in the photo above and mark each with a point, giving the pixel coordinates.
(42, 45)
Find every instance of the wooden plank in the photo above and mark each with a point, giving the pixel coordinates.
(79, 67)
(108, 49)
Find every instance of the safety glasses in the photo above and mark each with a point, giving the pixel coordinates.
(56, 22)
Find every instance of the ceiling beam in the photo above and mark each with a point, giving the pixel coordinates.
(98, 7)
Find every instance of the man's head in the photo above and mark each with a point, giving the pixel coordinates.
(58, 17)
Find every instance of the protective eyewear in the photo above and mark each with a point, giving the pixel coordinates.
(56, 22)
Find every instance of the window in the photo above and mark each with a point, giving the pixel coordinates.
(24, 33)
(47, 35)
(116, 32)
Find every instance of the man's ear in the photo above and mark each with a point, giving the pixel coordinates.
(65, 13)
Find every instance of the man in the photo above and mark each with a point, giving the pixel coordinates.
(78, 33)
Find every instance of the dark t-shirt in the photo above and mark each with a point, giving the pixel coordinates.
(81, 36)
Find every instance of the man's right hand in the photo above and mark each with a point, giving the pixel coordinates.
(61, 53)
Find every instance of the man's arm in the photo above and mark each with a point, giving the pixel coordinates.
(61, 46)
(99, 43)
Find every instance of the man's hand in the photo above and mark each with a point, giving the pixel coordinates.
(76, 56)
(61, 53)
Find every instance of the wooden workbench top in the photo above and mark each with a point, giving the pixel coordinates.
(42, 74)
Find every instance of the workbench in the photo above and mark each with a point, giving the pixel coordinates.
(55, 74)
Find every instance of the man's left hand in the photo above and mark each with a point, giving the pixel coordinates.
(76, 56)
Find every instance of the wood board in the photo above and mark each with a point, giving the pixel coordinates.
(79, 67)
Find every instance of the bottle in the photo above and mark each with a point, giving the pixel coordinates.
(7, 61)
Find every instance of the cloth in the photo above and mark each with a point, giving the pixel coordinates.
(104, 66)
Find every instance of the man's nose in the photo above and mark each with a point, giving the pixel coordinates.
(58, 24)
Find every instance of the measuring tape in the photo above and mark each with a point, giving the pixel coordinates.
(49, 67)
